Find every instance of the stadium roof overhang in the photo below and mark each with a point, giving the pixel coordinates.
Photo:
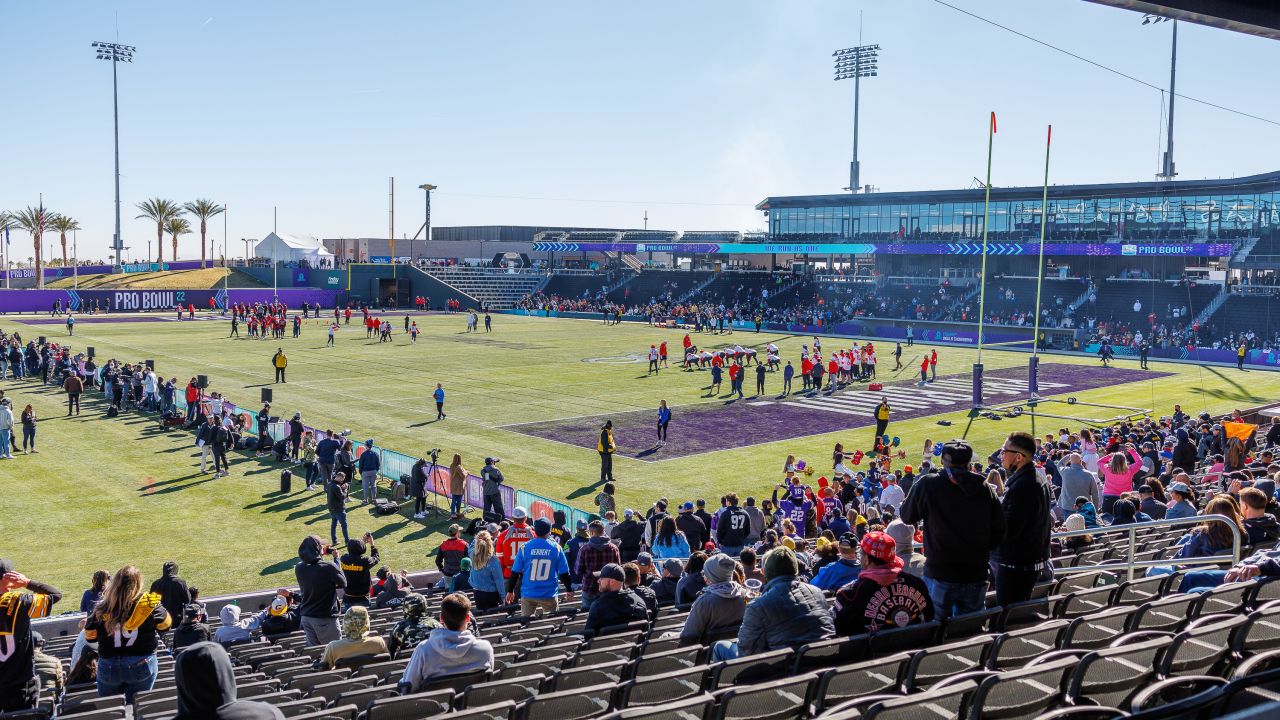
(1255, 17)
(1266, 182)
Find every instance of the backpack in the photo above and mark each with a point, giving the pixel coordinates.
(112, 411)
(383, 506)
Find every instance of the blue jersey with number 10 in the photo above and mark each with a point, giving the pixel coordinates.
(540, 563)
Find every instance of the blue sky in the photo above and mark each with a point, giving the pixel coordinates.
(691, 111)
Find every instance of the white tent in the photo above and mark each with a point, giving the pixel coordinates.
(282, 247)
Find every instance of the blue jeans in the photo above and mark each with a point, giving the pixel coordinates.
(951, 599)
(5, 452)
(455, 504)
(128, 675)
(1202, 580)
(336, 519)
(724, 650)
(731, 551)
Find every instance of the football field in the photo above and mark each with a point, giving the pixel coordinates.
(534, 392)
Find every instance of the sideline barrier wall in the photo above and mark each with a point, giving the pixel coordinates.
(394, 464)
(125, 300)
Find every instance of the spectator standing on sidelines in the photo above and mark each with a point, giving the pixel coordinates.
(369, 464)
(326, 456)
(19, 685)
(1024, 554)
(74, 387)
(279, 362)
(336, 503)
(6, 431)
(963, 522)
(319, 581)
(538, 565)
(438, 395)
(606, 447)
(491, 478)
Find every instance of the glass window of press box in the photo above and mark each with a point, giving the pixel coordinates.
(1199, 217)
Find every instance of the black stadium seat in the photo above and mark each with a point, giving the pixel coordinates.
(576, 704)
(951, 701)
(934, 664)
(408, 707)
(870, 677)
(751, 668)
(785, 699)
(1023, 692)
(667, 687)
(1188, 696)
(496, 691)
(1114, 675)
(698, 707)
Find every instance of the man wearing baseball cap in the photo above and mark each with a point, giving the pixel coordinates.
(628, 535)
(843, 571)
(883, 596)
(694, 529)
(615, 604)
(536, 567)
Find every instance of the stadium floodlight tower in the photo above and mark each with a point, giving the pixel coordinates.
(855, 63)
(1167, 171)
(116, 53)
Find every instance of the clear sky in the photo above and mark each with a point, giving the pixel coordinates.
(588, 113)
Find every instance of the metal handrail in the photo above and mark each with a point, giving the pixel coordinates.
(1132, 530)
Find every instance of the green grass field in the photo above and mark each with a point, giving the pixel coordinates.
(105, 492)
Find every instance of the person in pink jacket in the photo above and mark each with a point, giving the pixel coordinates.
(1117, 475)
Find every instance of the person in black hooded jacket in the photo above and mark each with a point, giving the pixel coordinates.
(356, 567)
(173, 590)
(1184, 453)
(319, 582)
(192, 630)
(207, 688)
(963, 523)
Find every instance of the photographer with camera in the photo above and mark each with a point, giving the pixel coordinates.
(320, 581)
(493, 480)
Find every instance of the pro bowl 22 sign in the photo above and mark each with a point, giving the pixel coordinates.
(148, 299)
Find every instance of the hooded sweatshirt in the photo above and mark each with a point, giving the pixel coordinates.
(319, 581)
(883, 597)
(963, 523)
(173, 591)
(355, 567)
(207, 688)
(234, 629)
(447, 652)
(716, 613)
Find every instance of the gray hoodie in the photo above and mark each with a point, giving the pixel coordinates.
(447, 652)
(716, 613)
(235, 629)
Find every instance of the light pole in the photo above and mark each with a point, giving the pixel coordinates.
(856, 63)
(75, 259)
(426, 225)
(116, 53)
(1166, 166)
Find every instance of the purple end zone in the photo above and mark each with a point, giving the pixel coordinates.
(711, 426)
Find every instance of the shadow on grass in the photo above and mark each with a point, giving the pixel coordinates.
(279, 567)
(1222, 376)
(179, 488)
(585, 490)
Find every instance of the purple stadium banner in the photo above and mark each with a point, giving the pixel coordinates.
(965, 248)
(19, 301)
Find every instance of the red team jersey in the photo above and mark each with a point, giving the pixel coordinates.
(509, 543)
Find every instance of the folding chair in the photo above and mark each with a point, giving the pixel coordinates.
(495, 691)
(1203, 648)
(1025, 692)
(409, 707)
(1016, 648)
(934, 664)
(1186, 696)
(785, 699)
(698, 707)
(870, 677)
(951, 701)
(751, 668)
(576, 704)
(1114, 675)
(667, 687)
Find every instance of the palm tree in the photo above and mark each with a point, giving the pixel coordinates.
(159, 211)
(177, 226)
(203, 209)
(64, 224)
(35, 221)
(7, 222)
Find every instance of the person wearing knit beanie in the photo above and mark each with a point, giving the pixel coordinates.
(780, 561)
